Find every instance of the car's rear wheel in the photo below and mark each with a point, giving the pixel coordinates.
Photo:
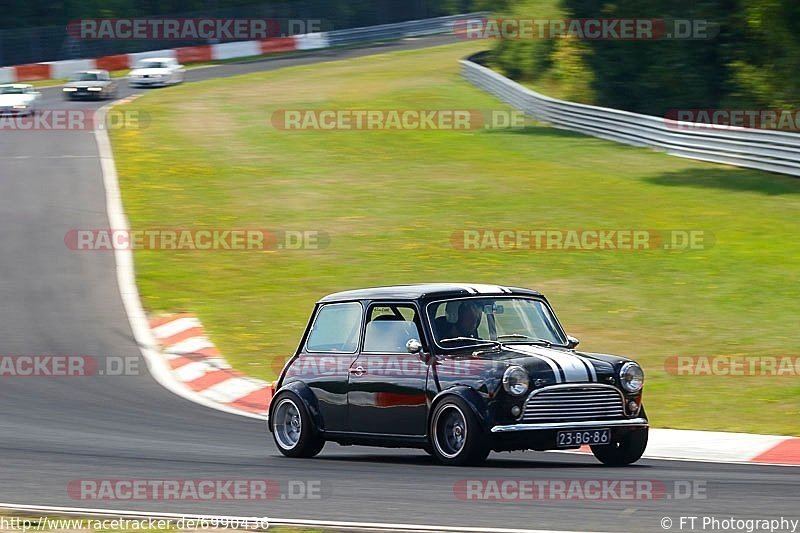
(623, 451)
(457, 437)
(293, 429)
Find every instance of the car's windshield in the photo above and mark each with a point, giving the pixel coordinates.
(84, 76)
(152, 64)
(506, 319)
(12, 90)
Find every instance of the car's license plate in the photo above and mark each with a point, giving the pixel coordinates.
(569, 439)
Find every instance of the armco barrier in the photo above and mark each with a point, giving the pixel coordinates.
(233, 50)
(399, 30)
(772, 151)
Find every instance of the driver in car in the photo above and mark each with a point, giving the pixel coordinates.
(462, 320)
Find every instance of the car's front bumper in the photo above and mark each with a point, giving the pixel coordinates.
(8, 112)
(630, 423)
(545, 436)
(148, 82)
(83, 94)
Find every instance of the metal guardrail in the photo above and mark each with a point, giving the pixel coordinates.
(772, 151)
(399, 30)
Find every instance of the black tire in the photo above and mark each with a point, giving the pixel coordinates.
(457, 438)
(293, 429)
(624, 451)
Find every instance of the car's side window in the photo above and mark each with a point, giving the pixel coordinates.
(336, 328)
(390, 327)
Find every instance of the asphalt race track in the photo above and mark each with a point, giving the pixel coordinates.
(56, 430)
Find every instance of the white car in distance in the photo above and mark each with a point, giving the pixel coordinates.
(18, 99)
(156, 72)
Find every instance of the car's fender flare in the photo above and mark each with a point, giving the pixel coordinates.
(309, 399)
(468, 395)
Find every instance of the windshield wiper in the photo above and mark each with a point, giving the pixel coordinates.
(496, 346)
(531, 340)
(473, 340)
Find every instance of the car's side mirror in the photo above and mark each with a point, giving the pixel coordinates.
(414, 346)
(572, 342)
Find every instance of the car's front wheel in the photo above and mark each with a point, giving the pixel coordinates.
(293, 429)
(623, 451)
(456, 435)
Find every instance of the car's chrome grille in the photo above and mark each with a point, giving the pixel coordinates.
(574, 404)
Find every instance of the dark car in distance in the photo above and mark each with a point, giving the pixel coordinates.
(458, 370)
(90, 84)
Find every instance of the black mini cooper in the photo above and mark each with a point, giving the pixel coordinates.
(457, 370)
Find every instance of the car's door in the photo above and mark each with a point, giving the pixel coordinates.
(386, 391)
(329, 351)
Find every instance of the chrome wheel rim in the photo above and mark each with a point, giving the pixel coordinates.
(287, 425)
(450, 431)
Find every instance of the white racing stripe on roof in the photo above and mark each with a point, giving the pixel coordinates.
(482, 288)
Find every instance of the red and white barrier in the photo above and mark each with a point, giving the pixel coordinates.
(64, 69)
(184, 55)
(7, 75)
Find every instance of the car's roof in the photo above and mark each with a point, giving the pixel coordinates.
(17, 85)
(157, 59)
(90, 71)
(426, 290)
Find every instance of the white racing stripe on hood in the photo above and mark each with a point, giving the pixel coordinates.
(550, 362)
(575, 368)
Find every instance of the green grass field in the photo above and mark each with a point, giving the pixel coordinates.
(391, 200)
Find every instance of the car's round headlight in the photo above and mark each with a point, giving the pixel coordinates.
(515, 380)
(631, 376)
